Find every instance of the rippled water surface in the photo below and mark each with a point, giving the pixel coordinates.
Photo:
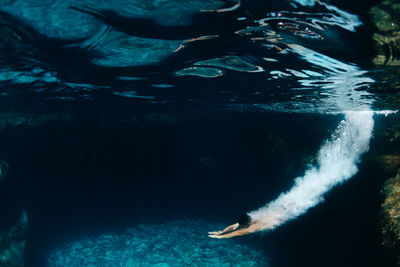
(300, 56)
(129, 127)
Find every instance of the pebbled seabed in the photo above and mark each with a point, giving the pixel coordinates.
(178, 243)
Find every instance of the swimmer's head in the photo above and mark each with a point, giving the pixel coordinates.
(244, 221)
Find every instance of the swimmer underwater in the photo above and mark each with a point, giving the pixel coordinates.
(245, 225)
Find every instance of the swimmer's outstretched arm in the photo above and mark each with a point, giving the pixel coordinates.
(228, 229)
(246, 225)
(234, 230)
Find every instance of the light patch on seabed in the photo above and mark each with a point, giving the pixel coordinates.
(179, 243)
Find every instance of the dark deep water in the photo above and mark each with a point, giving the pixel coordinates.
(116, 114)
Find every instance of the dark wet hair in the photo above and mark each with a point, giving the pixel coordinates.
(244, 220)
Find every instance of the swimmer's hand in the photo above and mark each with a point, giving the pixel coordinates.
(245, 225)
(231, 231)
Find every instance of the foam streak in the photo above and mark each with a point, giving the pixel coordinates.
(336, 163)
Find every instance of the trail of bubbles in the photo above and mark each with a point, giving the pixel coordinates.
(337, 162)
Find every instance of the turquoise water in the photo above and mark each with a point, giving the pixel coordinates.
(130, 129)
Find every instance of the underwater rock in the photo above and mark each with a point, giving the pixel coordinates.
(179, 243)
(392, 132)
(391, 162)
(387, 47)
(12, 243)
(386, 40)
(390, 216)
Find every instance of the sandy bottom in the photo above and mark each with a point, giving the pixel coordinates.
(179, 243)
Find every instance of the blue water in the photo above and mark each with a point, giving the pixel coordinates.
(176, 117)
(72, 51)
